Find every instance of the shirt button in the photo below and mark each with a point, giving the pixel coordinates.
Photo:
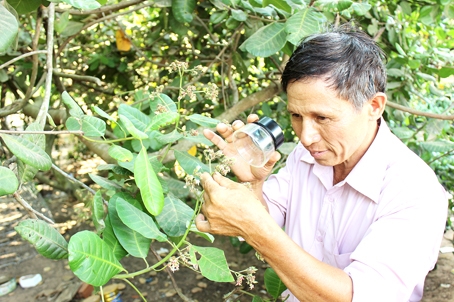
(319, 237)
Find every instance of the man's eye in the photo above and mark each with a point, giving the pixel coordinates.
(296, 115)
(321, 118)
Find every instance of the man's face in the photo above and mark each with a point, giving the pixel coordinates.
(332, 130)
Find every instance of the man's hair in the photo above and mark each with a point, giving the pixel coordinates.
(345, 57)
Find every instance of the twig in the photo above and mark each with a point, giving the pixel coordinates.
(77, 132)
(441, 156)
(42, 114)
(78, 77)
(73, 179)
(103, 9)
(31, 53)
(174, 283)
(420, 113)
(31, 212)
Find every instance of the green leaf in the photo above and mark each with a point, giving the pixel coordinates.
(303, 23)
(189, 163)
(402, 132)
(91, 259)
(274, 286)
(46, 240)
(93, 126)
(177, 188)
(27, 172)
(98, 213)
(139, 119)
(182, 10)
(164, 100)
(279, 4)
(427, 77)
(218, 16)
(83, 4)
(213, 264)
(406, 7)
(61, 22)
(257, 299)
(73, 107)
(24, 7)
(138, 221)
(148, 183)
(169, 138)
(400, 50)
(266, 41)
(199, 139)
(28, 152)
(104, 182)
(10, 28)
(203, 121)
(206, 236)
(112, 241)
(361, 8)
(133, 242)
(136, 133)
(239, 15)
(8, 181)
(175, 216)
(119, 153)
(161, 120)
(445, 72)
(438, 146)
(102, 113)
(73, 124)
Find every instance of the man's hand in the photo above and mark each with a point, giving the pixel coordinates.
(242, 170)
(229, 208)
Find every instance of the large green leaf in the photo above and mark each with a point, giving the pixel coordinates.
(274, 286)
(437, 146)
(213, 264)
(162, 119)
(47, 240)
(266, 41)
(138, 221)
(133, 242)
(8, 181)
(10, 28)
(98, 213)
(109, 237)
(120, 153)
(93, 126)
(104, 182)
(203, 121)
(148, 183)
(301, 24)
(91, 259)
(28, 152)
(24, 6)
(182, 10)
(139, 119)
(169, 138)
(189, 163)
(279, 4)
(136, 133)
(163, 100)
(83, 4)
(73, 107)
(175, 216)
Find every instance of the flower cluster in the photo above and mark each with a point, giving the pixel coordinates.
(185, 258)
(160, 109)
(191, 181)
(223, 167)
(211, 92)
(189, 91)
(173, 264)
(196, 70)
(157, 91)
(178, 66)
(248, 276)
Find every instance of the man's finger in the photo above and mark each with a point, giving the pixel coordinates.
(215, 139)
(207, 181)
(223, 181)
(202, 224)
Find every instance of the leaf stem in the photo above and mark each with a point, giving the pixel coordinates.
(136, 289)
(107, 141)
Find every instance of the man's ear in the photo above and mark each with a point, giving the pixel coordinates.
(377, 106)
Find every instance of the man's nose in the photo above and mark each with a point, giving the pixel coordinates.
(309, 133)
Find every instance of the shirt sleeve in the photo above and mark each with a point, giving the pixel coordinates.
(400, 247)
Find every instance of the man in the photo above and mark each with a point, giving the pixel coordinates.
(363, 215)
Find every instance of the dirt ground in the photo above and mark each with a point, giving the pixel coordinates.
(19, 258)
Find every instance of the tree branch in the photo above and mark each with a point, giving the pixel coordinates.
(42, 132)
(78, 77)
(420, 113)
(103, 9)
(31, 53)
(31, 212)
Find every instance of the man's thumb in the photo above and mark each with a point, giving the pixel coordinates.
(223, 181)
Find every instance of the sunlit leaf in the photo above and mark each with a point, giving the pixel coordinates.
(161, 120)
(279, 4)
(10, 28)
(203, 121)
(136, 133)
(91, 259)
(170, 138)
(218, 16)
(104, 182)
(46, 240)
(148, 183)
(303, 23)
(123, 42)
(239, 15)
(119, 153)
(175, 216)
(133, 242)
(190, 163)
(73, 124)
(109, 237)
(28, 152)
(135, 116)
(27, 172)
(266, 41)
(163, 100)
(438, 146)
(274, 286)
(102, 113)
(73, 107)
(24, 7)
(83, 4)
(138, 221)
(8, 181)
(213, 264)
(93, 126)
(98, 213)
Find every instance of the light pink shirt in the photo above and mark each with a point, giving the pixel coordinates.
(382, 225)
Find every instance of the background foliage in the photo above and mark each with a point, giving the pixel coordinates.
(112, 73)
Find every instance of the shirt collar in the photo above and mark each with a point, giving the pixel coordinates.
(368, 174)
